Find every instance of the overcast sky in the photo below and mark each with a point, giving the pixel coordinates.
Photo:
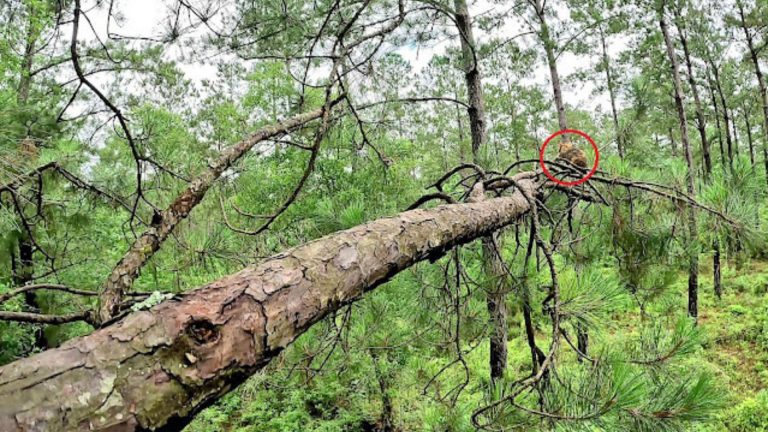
(146, 18)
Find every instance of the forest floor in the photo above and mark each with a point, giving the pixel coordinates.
(736, 327)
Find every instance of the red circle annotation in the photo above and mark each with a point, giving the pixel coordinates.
(575, 182)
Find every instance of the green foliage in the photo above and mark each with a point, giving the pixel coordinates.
(16, 339)
(588, 294)
(419, 344)
(749, 415)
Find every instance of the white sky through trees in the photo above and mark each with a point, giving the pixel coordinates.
(149, 18)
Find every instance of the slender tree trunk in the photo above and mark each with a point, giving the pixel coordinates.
(386, 419)
(716, 269)
(750, 142)
(715, 106)
(25, 79)
(496, 296)
(496, 303)
(702, 127)
(156, 368)
(726, 117)
(716, 247)
(735, 128)
(472, 78)
(672, 142)
(760, 82)
(23, 270)
(537, 355)
(460, 125)
(751, 145)
(549, 51)
(701, 123)
(693, 268)
(612, 95)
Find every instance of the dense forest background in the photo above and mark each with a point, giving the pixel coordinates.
(140, 161)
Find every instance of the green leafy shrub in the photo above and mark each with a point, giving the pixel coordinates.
(738, 310)
(753, 283)
(749, 416)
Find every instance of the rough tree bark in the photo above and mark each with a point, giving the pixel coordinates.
(496, 298)
(146, 245)
(693, 268)
(155, 369)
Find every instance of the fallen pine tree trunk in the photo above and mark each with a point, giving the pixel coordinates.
(155, 369)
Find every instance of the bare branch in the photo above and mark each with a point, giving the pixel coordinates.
(54, 287)
(29, 317)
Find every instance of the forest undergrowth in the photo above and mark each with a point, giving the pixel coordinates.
(732, 345)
